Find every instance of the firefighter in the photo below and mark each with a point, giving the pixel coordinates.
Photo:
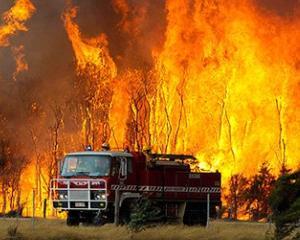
(102, 166)
(85, 166)
(149, 159)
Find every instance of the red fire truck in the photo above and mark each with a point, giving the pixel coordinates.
(101, 186)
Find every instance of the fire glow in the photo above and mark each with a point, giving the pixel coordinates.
(224, 83)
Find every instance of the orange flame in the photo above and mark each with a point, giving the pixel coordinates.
(87, 50)
(14, 21)
(21, 63)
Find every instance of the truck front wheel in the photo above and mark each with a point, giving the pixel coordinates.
(73, 218)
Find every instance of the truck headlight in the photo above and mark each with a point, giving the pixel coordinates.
(63, 196)
(102, 196)
(99, 196)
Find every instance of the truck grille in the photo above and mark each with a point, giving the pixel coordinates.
(79, 195)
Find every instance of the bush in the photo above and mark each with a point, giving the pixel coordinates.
(142, 213)
(285, 204)
(13, 233)
(14, 213)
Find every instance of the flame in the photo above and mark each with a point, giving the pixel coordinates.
(21, 64)
(88, 51)
(13, 22)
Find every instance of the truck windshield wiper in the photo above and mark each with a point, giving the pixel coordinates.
(95, 174)
(82, 173)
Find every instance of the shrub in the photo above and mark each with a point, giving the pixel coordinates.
(285, 204)
(13, 233)
(143, 212)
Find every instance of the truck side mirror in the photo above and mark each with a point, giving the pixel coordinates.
(60, 165)
(123, 168)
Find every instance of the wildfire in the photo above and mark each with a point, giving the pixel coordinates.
(223, 85)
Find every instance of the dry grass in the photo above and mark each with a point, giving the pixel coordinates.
(57, 230)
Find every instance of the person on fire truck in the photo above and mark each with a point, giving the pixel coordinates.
(102, 167)
(105, 147)
(85, 166)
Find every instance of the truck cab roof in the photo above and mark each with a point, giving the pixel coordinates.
(101, 153)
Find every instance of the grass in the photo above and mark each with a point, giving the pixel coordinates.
(57, 230)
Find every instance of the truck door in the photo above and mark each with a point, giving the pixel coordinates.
(125, 173)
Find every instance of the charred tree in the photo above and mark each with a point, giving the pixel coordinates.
(54, 143)
(258, 192)
(235, 198)
(138, 122)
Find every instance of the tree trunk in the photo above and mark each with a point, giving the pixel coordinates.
(4, 199)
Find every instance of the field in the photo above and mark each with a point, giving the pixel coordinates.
(57, 230)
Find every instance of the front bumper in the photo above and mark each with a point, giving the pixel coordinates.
(79, 194)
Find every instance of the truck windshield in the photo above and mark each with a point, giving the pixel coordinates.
(95, 165)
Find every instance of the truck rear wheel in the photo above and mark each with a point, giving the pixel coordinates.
(195, 213)
(73, 218)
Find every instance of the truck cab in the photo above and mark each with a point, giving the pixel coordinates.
(83, 186)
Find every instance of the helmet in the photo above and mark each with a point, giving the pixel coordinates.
(88, 148)
(147, 149)
(105, 147)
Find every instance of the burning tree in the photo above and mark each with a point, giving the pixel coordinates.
(55, 148)
(258, 192)
(140, 88)
(95, 70)
(12, 165)
(236, 196)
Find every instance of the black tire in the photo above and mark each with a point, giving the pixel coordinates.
(86, 218)
(125, 212)
(195, 213)
(73, 218)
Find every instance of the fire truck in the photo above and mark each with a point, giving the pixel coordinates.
(104, 186)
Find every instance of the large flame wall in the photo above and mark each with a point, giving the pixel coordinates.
(224, 86)
(230, 76)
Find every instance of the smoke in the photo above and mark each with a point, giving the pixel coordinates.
(47, 54)
(283, 8)
(133, 28)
